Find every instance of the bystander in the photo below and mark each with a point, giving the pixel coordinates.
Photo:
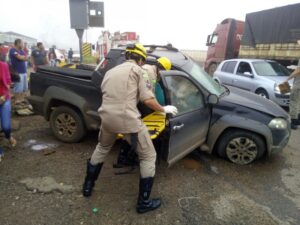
(70, 55)
(5, 104)
(39, 56)
(18, 62)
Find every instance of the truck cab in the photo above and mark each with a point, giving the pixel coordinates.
(223, 43)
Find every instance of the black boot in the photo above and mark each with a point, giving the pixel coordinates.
(145, 203)
(92, 174)
(294, 124)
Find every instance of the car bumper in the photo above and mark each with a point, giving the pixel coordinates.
(280, 140)
(282, 100)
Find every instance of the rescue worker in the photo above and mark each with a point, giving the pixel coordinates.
(122, 88)
(295, 98)
(125, 157)
(153, 71)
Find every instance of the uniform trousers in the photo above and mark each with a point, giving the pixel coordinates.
(145, 149)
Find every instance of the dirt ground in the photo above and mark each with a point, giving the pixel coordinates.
(40, 183)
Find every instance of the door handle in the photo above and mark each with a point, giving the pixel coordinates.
(234, 80)
(176, 128)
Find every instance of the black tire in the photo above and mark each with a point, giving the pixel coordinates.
(263, 93)
(212, 68)
(241, 147)
(67, 124)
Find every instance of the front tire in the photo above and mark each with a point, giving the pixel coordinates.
(241, 147)
(67, 124)
(263, 93)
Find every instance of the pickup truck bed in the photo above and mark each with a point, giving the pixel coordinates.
(75, 73)
(79, 90)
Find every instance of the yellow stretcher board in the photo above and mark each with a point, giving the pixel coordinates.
(67, 65)
(155, 122)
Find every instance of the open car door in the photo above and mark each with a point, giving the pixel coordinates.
(188, 129)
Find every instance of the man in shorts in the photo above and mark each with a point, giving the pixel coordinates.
(18, 61)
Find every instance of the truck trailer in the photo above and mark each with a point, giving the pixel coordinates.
(269, 34)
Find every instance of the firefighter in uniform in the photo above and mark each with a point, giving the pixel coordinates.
(295, 98)
(153, 71)
(122, 88)
(152, 75)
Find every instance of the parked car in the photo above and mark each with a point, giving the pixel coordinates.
(230, 122)
(256, 75)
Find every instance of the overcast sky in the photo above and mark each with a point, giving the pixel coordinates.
(185, 24)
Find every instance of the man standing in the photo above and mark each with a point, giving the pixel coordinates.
(152, 76)
(18, 61)
(52, 57)
(122, 88)
(39, 56)
(295, 98)
(70, 55)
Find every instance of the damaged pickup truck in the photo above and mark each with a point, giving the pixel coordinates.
(230, 122)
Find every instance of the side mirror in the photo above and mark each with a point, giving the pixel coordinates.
(248, 74)
(208, 40)
(213, 99)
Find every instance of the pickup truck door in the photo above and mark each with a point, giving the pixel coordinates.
(188, 129)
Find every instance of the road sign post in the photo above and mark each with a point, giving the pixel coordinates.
(85, 13)
(80, 35)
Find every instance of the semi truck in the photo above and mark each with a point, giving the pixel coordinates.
(269, 34)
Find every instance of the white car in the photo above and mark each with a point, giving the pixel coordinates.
(255, 75)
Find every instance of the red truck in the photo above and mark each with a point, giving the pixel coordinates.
(269, 34)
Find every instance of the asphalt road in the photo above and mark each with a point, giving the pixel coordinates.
(40, 182)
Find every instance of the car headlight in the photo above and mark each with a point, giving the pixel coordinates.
(278, 123)
(276, 88)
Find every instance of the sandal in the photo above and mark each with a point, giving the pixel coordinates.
(13, 142)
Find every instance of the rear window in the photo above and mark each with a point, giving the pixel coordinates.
(228, 67)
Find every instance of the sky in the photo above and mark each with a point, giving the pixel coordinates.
(185, 24)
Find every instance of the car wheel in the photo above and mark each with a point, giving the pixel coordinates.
(241, 147)
(67, 124)
(212, 68)
(262, 93)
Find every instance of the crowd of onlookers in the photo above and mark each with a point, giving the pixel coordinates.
(15, 65)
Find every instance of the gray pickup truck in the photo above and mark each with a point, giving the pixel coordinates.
(230, 122)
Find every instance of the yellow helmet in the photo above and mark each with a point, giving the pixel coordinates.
(165, 63)
(138, 49)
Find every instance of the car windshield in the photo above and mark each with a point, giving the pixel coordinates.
(203, 78)
(264, 68)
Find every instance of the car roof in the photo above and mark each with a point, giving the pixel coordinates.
(249, 60)
(176, 57)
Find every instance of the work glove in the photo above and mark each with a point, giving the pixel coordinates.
(170, 109)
